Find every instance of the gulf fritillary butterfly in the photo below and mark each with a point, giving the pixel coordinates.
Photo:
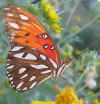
(33, 57)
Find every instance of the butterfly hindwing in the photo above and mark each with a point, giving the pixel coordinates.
(27, 67)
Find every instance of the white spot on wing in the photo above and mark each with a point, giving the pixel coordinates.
(7, 64)
(19, 55)
(22, 70)
(18, 8)
(6, 8)
(32, 78)
(16, 48)
(12, 82)
(33, 48)
(45, 72)
(23, 17)
(30, 56)
(41, 66)
(10, 78)
(53, 63)
(24, 89)
(12, 37)
(25, 75)
(43, 57)
(13, 25)
(10, 67)
(9, 75)
(7, 72)
(33, 84)
(8, 59)
(19, 85)
(9, 14)
(13, 34)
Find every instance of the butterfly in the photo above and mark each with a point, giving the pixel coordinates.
(33, 57)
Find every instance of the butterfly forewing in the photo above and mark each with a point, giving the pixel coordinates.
(25, 29)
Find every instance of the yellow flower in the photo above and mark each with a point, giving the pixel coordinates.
(78, 52)
(51, 13)
(44, 1)
(52, 16)
(98, 0)
(96, 101)
(57, 28)
(81, 67)
(68, 55)
(42, 102)
(77, 19)
(75, 28)
(90, 92)
(66, 96)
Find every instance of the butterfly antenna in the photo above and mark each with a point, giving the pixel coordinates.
(68, 63)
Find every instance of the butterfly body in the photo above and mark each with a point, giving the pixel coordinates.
(33, 57)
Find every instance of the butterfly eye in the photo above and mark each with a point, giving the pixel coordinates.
(44, 36)
(52, 47)
(45, 46)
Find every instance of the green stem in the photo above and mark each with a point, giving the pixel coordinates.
(2, 60)
(81, 77)
(4, 55)
(84, 27)
(69, 38)
(93, 96)
(73, 11)
(82, 88)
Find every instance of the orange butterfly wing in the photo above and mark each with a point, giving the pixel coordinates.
(25, 29)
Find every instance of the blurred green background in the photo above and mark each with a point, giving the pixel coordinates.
(79, 41)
